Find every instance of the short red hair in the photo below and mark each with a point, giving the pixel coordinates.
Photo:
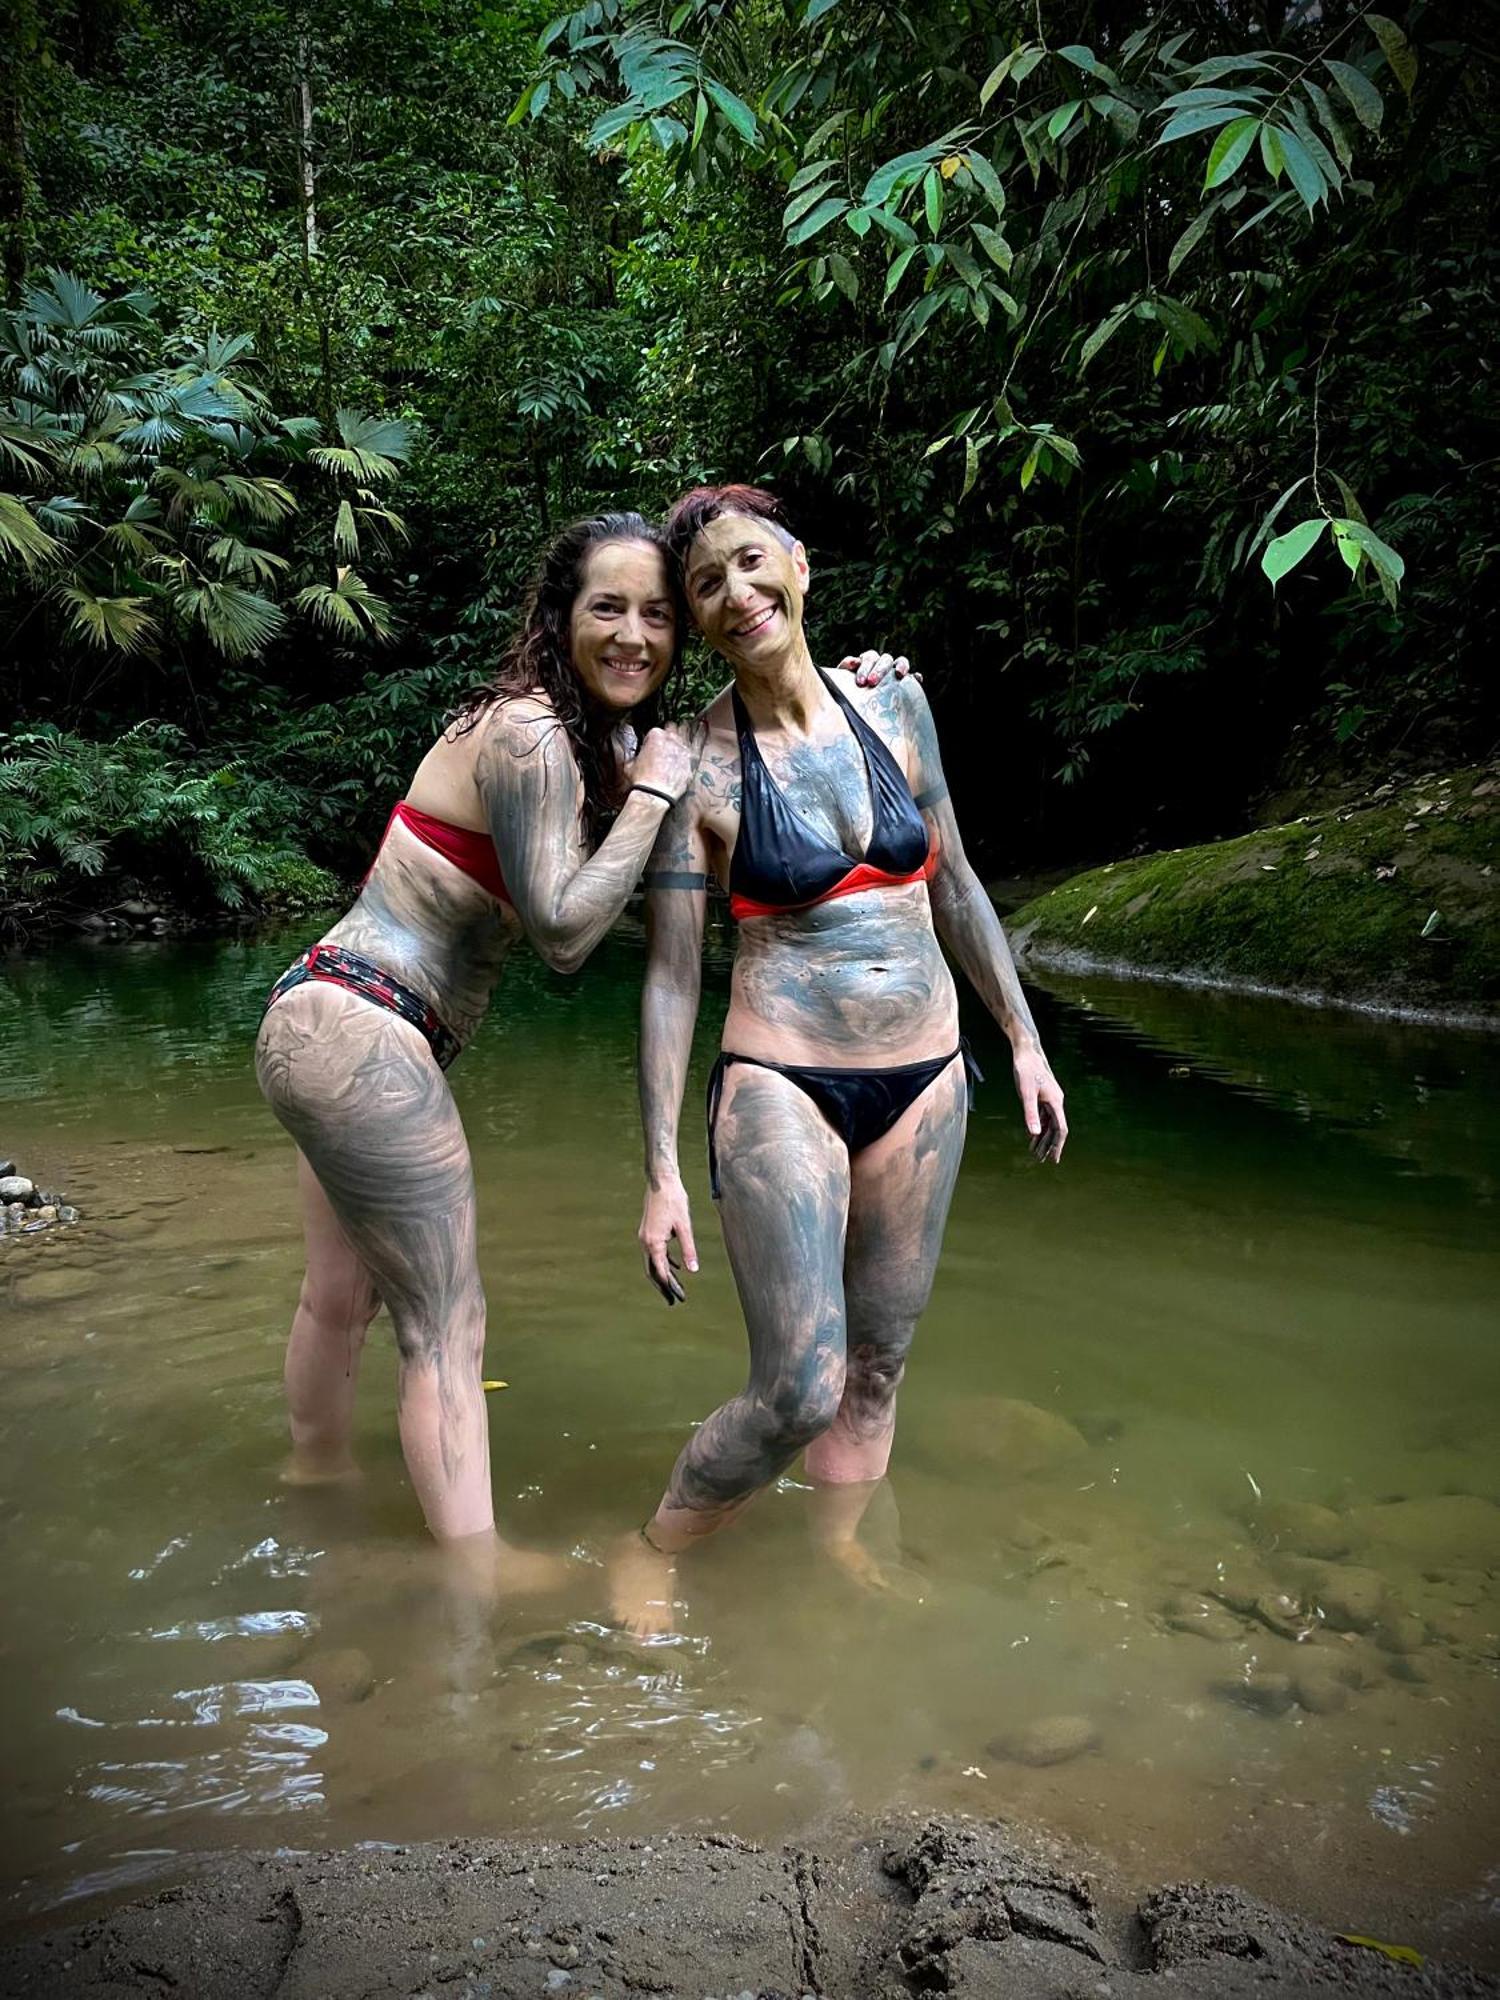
(689, 516)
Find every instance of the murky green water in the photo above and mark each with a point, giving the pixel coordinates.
(1269, 1266)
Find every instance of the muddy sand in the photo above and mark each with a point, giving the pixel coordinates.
(875, 1911)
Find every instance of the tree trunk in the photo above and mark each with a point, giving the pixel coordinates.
(305, 150)
(19, 38)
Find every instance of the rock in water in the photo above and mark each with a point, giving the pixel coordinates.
(1319, 1691)
(49, 1286)
(1053, 1739)
(1203, 1617)
(1454, 1530)
(1350, 1599)
(1303, 1529)
(1019, 1439)
(1267, 1694)
(343, 1673)
(16, 1187)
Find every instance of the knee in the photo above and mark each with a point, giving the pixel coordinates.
(454, 1336)
(347, 1308)
(876, 1369)
(800, 1413)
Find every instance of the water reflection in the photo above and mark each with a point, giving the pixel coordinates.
(1263, 1281)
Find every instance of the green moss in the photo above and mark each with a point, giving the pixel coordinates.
(1336, 903)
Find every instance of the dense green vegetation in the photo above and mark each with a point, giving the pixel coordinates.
(1129, 368)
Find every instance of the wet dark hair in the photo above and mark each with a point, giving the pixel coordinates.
(689, 516)
(540, 656)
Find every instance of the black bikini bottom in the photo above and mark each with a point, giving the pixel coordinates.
(360, 975)
(860, 1104)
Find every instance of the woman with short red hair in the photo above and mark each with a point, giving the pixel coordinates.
(837, 1106)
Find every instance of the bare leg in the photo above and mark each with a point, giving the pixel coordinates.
(901, 1188)
(334, 1310)
(785, 1178)
(359, 1091)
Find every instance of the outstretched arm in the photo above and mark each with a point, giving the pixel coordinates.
(969, 926)
(676, 898)
(532, 794)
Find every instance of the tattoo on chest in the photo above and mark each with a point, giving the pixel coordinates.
(829, 786)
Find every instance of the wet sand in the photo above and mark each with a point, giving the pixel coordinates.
(874, 1910)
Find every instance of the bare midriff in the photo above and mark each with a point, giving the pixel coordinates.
(858, 982)
(422, 919)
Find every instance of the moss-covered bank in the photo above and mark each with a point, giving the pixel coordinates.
(1392, 904)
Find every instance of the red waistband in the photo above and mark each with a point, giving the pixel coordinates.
(863, 877)
(466, 847)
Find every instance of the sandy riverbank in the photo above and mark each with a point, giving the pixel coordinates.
(871, 1911)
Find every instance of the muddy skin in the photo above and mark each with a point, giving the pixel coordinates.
(389, 1203)
(833, 1257)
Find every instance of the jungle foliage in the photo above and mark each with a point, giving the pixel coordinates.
(1129, 368)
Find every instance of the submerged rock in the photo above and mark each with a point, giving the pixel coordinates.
(1320, 1691)
(1452, 1530)
(1303, 1529)
(1350, 1599)
(1020, 1439)
(1052, 1739)
(342, 1674)
(1200, 1615)
(1266, 1693)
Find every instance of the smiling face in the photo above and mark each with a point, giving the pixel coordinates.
(623, 623)
(745, 589)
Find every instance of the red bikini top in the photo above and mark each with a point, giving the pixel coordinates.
(465, 846)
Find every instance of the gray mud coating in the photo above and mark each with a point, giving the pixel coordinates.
(870, 1912)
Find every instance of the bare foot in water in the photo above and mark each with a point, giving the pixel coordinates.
(489, 1568)
(300, 1470)
(869, 1573)
(642, 1586)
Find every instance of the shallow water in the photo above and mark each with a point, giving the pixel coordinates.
(1267, 1272)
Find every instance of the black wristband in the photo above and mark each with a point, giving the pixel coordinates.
(657, 793)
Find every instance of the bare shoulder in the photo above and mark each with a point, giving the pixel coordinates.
(516, 727)
(716, 743)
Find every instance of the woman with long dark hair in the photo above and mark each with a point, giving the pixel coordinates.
(531, 816)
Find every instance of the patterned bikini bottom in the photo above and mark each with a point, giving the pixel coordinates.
(361, 976)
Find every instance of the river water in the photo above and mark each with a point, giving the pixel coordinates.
(1243, 1341)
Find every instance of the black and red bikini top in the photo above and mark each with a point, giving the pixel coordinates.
(780, 864)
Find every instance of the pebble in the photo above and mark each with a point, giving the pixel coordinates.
(1405, 1667)
(16, 1187)
(1053, 1739)
(1283, 1613)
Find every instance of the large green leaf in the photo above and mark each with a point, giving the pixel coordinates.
(1364, 99)
(1284, 554)
(1229, 151)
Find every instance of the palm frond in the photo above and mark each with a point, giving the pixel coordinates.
(370, 449)
(125, 623)
(62, 515)
(24, 447)
(237, 558)
(262, 498)
(22, 539)
(345, 534)
(348, 608)
(238, 623)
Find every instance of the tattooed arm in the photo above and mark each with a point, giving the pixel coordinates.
(969, 926)
(676, 898)
(531, 791)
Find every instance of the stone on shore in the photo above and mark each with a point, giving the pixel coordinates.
(16, 1187)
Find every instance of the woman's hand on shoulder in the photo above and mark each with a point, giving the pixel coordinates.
(664, 761)
(870, 668)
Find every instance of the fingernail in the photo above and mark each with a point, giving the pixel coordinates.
(692, 1266)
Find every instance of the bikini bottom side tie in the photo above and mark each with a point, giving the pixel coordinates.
(860, 1104)
(331, 962)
